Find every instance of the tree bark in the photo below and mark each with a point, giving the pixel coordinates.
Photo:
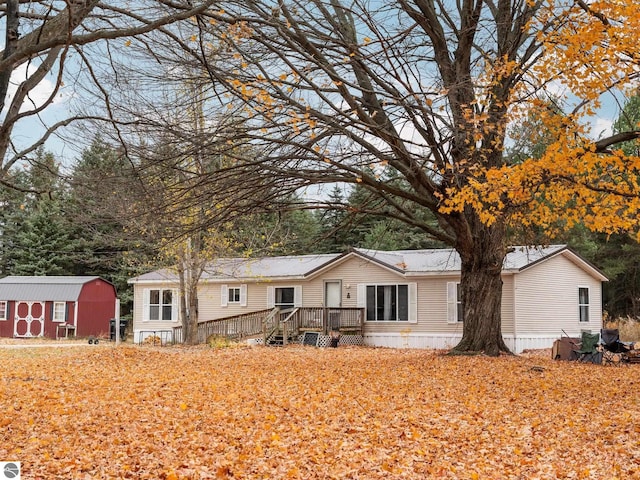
(482, 257)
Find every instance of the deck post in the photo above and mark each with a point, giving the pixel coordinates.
(325, 320)
(284, 334)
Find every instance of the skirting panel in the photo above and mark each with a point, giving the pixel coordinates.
(444, 342)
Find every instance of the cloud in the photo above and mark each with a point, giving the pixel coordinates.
(601, 127)
(38, 96)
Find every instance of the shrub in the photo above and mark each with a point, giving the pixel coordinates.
(216, 341)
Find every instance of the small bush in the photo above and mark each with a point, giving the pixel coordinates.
(216, 341)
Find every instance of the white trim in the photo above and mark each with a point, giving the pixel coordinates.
(297, 296)
(224, 295)
(412, 293)
(452, 302)
(64, 312)
(146, 301)
(271, 296)
(588, 304)
(243, 295)
(361, 292)
(6, 308)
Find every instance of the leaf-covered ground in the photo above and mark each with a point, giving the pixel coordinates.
(354, 413)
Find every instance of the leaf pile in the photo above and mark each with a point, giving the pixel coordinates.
(358, 413)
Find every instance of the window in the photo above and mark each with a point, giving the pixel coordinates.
(285, 297)
(3, 310)
(583, 303)
(387, 303)
(59, 311)
(161, 305)
(234, 295)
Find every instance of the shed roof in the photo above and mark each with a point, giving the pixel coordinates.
(404, 262)
(43, 288)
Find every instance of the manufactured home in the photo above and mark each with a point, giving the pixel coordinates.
(403, 299)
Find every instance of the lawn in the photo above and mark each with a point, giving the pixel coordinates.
(348, 413)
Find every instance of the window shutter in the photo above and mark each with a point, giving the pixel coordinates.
(361, 293)
(297, 296)
(146, 299)
(243, 295)
(174, 305)
(224, 295)
(413, 303)
(271, 297)
(51, 310)
(66, 311)
(452, 302)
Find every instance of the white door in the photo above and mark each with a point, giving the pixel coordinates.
(333, 294)
(29, 319)
(333, 299)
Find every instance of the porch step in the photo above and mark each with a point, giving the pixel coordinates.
(276, 341)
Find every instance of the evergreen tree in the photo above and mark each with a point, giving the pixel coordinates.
(42, 241)
(103, 193)
(12, 217)
(334, 228)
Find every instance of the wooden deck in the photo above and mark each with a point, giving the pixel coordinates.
(288, 323)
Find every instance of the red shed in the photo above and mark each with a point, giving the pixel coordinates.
(56, 306)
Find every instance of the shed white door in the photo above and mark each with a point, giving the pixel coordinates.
(29, 319)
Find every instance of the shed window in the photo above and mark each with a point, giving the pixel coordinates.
(59, 311)
(583, 303)
(3, 310)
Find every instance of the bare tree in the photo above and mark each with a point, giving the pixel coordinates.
(53, 40)
(409, 99)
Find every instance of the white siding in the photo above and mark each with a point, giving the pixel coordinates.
(547, 299)
(141, 309)
(537, 303)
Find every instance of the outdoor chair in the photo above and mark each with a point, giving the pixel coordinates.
(614, 352)
(587, 349)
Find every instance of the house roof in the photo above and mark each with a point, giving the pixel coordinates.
(44, 288)
(403, 262)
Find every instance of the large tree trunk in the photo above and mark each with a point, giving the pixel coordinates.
(482, 254)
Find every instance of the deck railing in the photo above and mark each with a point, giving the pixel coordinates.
(289, 322)
(235, 327)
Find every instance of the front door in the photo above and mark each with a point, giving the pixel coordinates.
(333, 299)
